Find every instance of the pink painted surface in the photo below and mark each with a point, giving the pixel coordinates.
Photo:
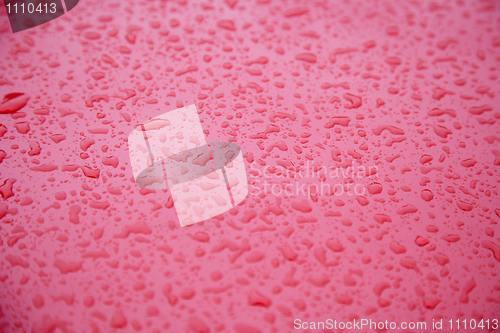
(403, 93)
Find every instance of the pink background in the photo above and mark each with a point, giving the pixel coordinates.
(83, 249)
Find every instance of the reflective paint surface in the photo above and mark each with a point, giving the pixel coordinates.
(369, 132)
